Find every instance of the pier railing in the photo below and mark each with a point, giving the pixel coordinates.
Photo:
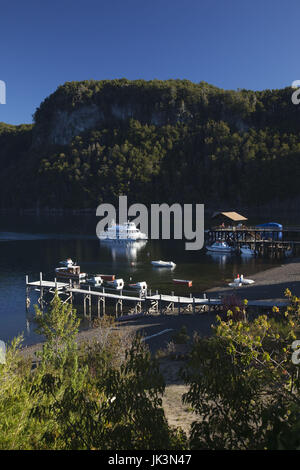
(143, 303)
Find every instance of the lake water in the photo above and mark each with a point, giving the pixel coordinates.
(31, 244)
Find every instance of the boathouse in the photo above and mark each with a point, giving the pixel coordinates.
(228, 219)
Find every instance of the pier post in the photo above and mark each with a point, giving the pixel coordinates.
(90, 303)
(71, 293)
(41, 292)
(178, 305)
(160, 304)
(194, 306)
(27, 301)
(172, 305)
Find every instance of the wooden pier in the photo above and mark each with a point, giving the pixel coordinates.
(141, 303)
(146, 302)
(264, 240)
(69, 291)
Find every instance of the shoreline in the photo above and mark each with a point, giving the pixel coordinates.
(283, 209)
(270, 284)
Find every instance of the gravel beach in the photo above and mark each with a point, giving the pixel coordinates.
(269, 284)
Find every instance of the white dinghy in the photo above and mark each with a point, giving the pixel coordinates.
(163, 264)
(240, 281)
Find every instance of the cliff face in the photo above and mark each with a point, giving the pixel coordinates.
(65, 125)
(78, 107)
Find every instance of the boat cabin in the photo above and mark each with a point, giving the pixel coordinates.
(69, 269)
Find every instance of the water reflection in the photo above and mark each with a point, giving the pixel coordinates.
(123, 249)
(220, 258)
(246, 259)
(29, 252)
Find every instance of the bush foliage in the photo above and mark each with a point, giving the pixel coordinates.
(241, 383)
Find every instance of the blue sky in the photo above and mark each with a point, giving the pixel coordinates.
(229, 43)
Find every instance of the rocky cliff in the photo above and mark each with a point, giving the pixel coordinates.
(78, 107)
(171, 141)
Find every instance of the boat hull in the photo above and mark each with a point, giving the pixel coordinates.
(116, 284)
(184, 282)
(219, 250)
(121, 239)
(163, 264)
(108, 277)
(138, 286)
(74, 277)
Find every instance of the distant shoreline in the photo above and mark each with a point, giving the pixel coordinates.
(278, 209)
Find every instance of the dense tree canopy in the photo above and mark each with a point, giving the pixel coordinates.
(154, 141)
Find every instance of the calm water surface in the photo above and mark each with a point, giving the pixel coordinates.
(30, 244)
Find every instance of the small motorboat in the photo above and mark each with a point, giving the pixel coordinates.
(247, 251)
(116, 283)
(184, 282)
(220, 247)
(163, 264)
(107, 277)
(67, 263)
(95, 280)
(142, 285)
(288, 252)
(70, 272)
(241, 280)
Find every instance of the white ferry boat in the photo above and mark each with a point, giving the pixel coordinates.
(124, 232)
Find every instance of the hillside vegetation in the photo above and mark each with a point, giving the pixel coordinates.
(163, 141)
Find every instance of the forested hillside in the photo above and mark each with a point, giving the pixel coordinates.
(163, 141)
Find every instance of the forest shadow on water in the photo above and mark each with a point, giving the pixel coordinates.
(30, 245)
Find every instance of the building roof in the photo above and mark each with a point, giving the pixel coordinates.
(230, 215)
